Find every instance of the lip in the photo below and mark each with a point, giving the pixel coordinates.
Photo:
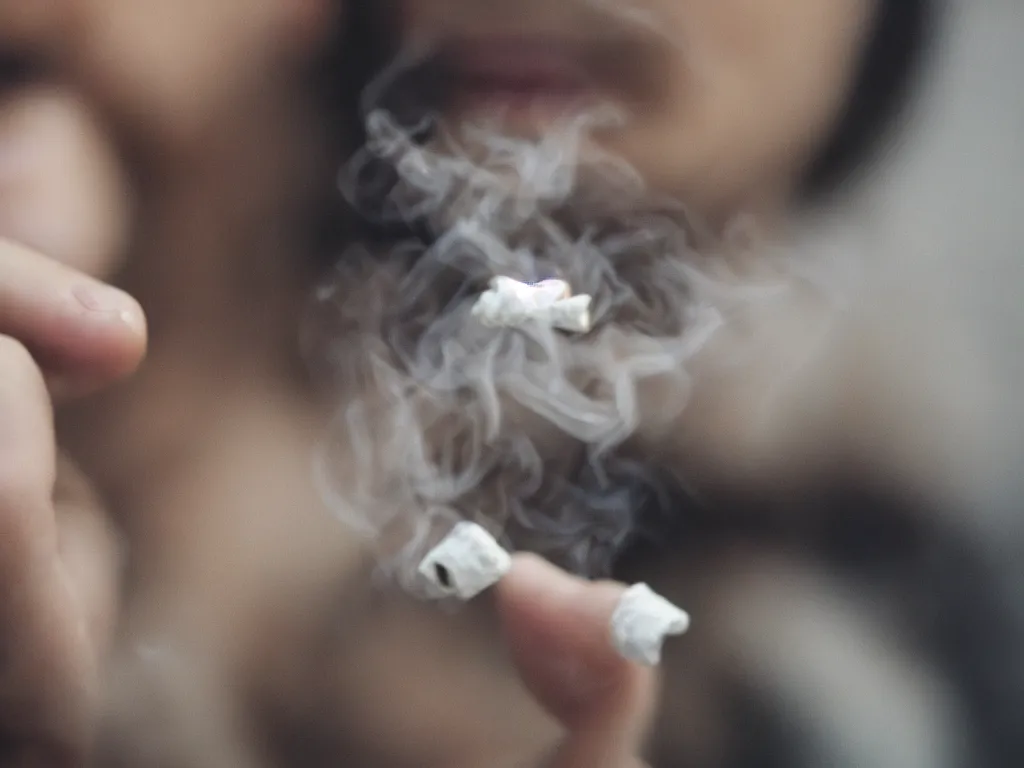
(518, 72)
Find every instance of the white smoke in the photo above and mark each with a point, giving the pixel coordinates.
(522, 430)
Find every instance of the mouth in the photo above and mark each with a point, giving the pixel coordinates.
(519, 78)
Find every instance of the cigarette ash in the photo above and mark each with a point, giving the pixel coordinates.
(514, 424)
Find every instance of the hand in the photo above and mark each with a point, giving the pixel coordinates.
(61, 334)
(557, 627)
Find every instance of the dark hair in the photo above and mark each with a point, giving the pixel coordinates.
(897, 42)
(354, 53)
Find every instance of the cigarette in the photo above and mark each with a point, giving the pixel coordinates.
(510, 303)
(465, 563)
(641, 622)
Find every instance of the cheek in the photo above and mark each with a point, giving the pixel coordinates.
(62, 191)
(755, 90)
(792, 80)
(170, 67)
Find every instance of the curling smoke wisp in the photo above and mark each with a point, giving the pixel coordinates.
(524, 430)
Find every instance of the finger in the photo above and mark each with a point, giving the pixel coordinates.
(83, 333)
(558, 628)
(90, 553)
(47, 676)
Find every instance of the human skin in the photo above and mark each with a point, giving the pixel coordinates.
(725, 103)
(60, 333)
(64, 335)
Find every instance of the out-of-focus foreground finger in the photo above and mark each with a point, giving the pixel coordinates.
(47, 671)
(90, 554)
(558, 628)
(83, 333)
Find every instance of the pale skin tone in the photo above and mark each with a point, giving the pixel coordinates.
(61, 328)
(55, 347)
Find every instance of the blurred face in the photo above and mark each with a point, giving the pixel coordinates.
(725, 100)
(62, 190)
(172, 66)
(78, 75)
(165, 64)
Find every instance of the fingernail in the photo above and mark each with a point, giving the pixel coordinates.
(642, 621)
(112, 302)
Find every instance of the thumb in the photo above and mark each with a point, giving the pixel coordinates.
(558, 629)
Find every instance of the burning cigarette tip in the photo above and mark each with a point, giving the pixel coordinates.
(465, 563)
(642, 621)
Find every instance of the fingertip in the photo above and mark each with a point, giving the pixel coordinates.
(109, 314)
(558, 628)
(534, 590)
(532, 576)
(549, 590)
(546, 598)
(104, 342)
(128, 342)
